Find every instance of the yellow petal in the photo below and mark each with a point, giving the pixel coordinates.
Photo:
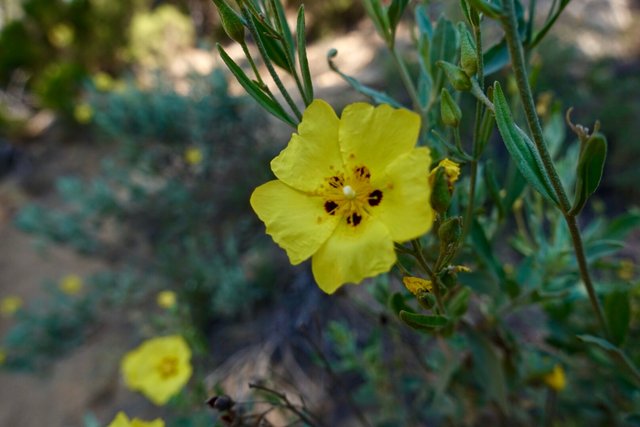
(296, 221)
(313, 154)
(121, 420)
(352, 254)
(375, 136)
(405, 208)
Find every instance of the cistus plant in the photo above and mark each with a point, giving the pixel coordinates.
(518, 315)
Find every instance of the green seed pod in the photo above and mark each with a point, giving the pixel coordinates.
(457, 77)
(589, 170)
(449, 233)
(231, 21)
(440, 192)
(449, 110)
(468, 52)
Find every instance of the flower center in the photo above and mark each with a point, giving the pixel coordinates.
(167, 367)
(352, 196)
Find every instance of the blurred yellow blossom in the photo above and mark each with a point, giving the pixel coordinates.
(416, 285)
(348, 187)
(61, 35)
(556, 379)
(193, 156)
(71, 284)
(159, 368)
(83, 113)
(3, 356)
(9, 305)
(626, 269)
(121, 420)
(166, 299)
(103, 81)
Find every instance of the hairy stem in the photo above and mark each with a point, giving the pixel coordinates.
(509, 24)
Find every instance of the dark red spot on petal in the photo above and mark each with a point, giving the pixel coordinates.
(375, 197)
(336, 181)
(330, 206)
(354, 219)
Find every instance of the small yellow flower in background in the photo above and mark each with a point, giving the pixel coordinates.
(9, 305)
(103, 81)
(193, 156)
(416, 285)
(83, 113)
(451, 168)
(166, 299)
(159, 368)
(3, 356)
(121, 420)
(626, 269)
(71, 284)
(348, 188)
(556, 379)
(61, 35)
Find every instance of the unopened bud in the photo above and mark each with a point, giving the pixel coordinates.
(449, 110)
(468, 53)
(231, 21)
(457, 77)
(589, 170)
(440, 193)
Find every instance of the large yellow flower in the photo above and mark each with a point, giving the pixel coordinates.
(121, 420)
(347, 188)
(159, 368)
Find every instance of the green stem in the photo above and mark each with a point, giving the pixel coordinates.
(417, 252)
(509, 24)
(584, 271)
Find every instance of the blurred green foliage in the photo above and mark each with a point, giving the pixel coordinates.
(57, 43)
(169, 206)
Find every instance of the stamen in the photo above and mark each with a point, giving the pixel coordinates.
(349, 192)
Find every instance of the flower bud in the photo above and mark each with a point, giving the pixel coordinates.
(449, 110)
(440, 194)
(589, 170)
(468, 53)
(457, 77)
(231, 21)
(449, 233)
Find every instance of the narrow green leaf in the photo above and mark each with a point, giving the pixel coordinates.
(488, 369)
(395, 11)
(486, 7)
(375, 95)
(496, 58)
(272, 45)
(283, 25)
(254, 90)
(423, 322)
(617, 309)
(457, 306)
(445, 43)
(397, 304)
(617, 356)
(302, 57)
(521, 148)
(379, 17)
(484, 251)
(423, 21)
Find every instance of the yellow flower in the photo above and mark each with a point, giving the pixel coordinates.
(121, 420)
(83, 113)
(166, 299)
(416, 285)
(61, 35)
(193, 156)
(348, 188)
(556, 379)
(451, 168)
(9, 305)
(3, 356)
(71, 284)
(626, 269)
(159, 368)
(103, 81)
